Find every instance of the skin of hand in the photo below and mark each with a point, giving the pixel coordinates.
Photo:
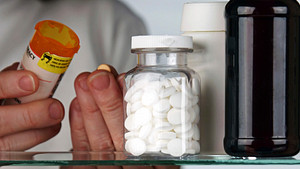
(26, 125)
(96, 115)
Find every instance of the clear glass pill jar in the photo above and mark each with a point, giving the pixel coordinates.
(161, 99)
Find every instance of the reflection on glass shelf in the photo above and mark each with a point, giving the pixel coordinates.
(119, 158)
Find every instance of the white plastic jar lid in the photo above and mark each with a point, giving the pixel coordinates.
(161, 41)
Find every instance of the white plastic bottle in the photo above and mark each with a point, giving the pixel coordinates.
(205, 22)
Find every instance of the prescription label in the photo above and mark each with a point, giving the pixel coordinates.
(54, 63)
(49, 69)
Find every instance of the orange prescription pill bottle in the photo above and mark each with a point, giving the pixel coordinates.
(48, 55)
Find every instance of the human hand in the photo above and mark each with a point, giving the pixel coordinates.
(26, 125)
(96, 114)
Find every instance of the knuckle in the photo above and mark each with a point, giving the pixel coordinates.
(106, 145)
(5, 145)
(29, 120)
(78, 129)
(3, 91)
(5, 123)
(111, 107)
(102, 143)
(83, 145)
(91, 109)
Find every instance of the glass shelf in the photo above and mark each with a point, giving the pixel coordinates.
(119, 158)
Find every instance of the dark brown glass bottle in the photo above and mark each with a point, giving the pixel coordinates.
(262, 78)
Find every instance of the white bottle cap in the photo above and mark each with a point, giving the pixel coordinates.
(163, 41)
(206, 16)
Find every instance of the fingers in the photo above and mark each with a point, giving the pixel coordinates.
(80, 140)
(108, 96)
(27, 139)
(95, 126)
(17, 83)
(34, 115)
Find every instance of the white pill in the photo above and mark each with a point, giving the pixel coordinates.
(145, 130)
(135, 121)
(183, 128)
(153, 148)
(127, 144)
(163, 126)
(135, 106)
(191, 113)
(149, 97)
(196, 132)
(197, 114)
(175, 116)
(166, 83)
(164, 93)
(143, 116)
(159, 115)
(196, 87)
(152, 137)
(162, 106)
(153, 85)
(176, 147)
(177, 101)
(162, 143)
(194, 100)
(186, 135)
(131, 134)
(135, 146)
(139, 84)
(176, 83)
(166, 135)
(186, 118)
(159, 120)
(128, 94)
(130, 123)
(195, 145)
(190, 151)
(136, 96)
(128, 109)
(165, 151)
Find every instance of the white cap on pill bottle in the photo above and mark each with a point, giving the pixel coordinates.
(161, 41)
(203, 16)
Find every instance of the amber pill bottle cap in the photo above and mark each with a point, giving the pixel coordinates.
(55, 38)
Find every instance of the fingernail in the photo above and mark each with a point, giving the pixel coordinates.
(27, 83)
(104, 67)
(82, 83)
(100, 81)
(55, 111)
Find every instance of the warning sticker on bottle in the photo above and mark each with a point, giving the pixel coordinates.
(54, 63)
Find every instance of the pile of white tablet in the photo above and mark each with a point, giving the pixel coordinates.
(162, 116)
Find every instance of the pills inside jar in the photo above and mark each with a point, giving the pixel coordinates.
(161, 98)
(162, 116)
